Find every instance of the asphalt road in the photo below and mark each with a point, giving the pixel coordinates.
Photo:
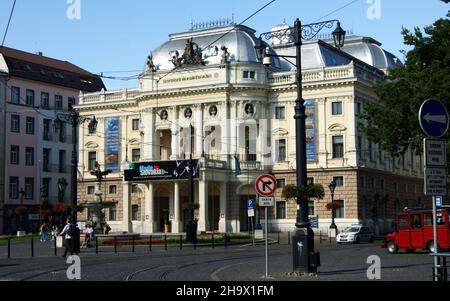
(237, 263)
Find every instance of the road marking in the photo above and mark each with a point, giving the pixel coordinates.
(215, 273)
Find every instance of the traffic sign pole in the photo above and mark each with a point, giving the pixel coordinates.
(267, 246)
(435, 241)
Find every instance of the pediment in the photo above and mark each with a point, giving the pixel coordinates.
(91, 145)
(337, 128)
(280, 132)
(134, 141)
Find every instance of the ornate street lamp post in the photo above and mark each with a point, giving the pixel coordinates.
(332, 187)
(304, 258)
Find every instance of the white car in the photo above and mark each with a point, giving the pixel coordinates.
(355, 234)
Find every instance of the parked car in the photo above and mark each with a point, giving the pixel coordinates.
(355, 234)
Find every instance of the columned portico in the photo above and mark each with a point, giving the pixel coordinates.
(203, 223)
(149, 224)
(126, 214)
(176, 222)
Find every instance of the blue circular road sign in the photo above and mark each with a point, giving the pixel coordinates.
(433, 117)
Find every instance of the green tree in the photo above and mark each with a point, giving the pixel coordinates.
(393, 120)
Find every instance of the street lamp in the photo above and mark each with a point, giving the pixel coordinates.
(332, 187)
(304, 261)
(74, 119)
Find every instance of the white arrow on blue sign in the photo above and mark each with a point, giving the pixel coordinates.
(433, 117)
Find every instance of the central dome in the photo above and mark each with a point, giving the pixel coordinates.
(239, 40)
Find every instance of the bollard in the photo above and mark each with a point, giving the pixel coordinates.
(56, 248)
(150, 244)
(320, 236)
(32, 247)
(278, 241)
(133, 244)
(165, 242)
(9, 247)
(96, 245)
(195, 244)
(115, 244)
(212, 240)
(289, 237)
(225, 241)
(181, 242)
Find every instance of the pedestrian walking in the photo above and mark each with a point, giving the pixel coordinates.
(43, 231)
(55, 232)
(87, 236)
(69, 234)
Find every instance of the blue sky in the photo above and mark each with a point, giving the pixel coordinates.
(114, 35)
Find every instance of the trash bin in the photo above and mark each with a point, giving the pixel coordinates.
(59, 241)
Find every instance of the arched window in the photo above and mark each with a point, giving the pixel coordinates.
(134, 212)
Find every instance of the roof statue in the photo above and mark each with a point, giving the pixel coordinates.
(225, 55)
(150, 65)
(192, 55)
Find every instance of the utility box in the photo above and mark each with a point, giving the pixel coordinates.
(304, 258)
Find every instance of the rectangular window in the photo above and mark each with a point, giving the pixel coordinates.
(281, 210)
(358, 108)
(340, 209)
(14, 155)
(45, 100)
(362, 181)
(46, 131)
(136, 123)
(412, 160)
(403, 222)
(249, 74)
(29, 156)
(92, 158)
(310, 181)
(359, 150)
(90, 190)
(58, 102)
(136, 155)
(46, 159)
(372, 183)
(381, 183)
(62, 132)
(15, 123)
(339, 181)
(30, 126)
(71, 103)
(311, 208)
(62, 161)
(15, 95)
(338, 147)
(29, 188)
(395, 187)
(30, 98)
(14, 188)
(134, 188)
(112, 213)
(45, 190)
(280, 113)
(112, 189)
(281, 183)
(336, 108)
(281, 150)
(370, 152)
(134, 212)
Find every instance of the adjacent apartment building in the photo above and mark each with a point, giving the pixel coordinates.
(37, 155)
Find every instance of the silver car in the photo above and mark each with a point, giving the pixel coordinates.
(355, 234)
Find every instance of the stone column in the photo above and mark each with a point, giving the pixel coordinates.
(225, 130)
(223, 208)
(175, 131)
(350, 141)
(127, 226)
(198, 131)
(149, 225)
(203, 222)
(148, 145)
(176, 223)
(124, 141)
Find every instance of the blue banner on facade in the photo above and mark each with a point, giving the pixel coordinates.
(310, 106)
(112, 144)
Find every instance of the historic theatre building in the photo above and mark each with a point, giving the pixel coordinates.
(205, 93)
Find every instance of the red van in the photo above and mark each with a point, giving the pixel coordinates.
(414, 230)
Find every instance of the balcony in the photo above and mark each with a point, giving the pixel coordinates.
(250, 165)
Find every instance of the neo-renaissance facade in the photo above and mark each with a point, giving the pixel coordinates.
(205, 93)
